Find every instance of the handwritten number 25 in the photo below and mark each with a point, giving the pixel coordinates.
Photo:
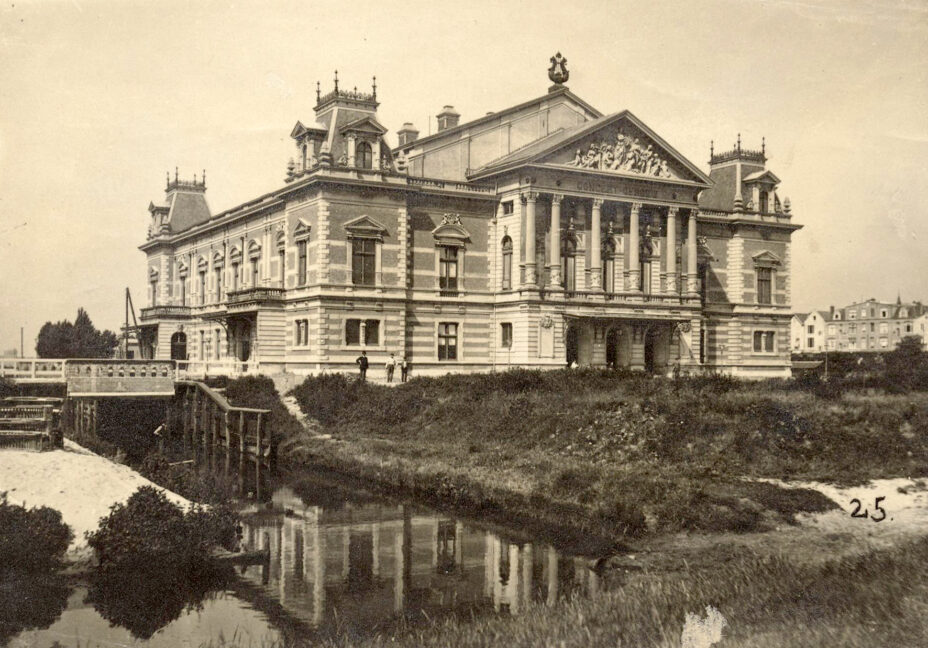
(857, 513)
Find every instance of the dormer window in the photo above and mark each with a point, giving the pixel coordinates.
(365, 156)
(764, 202)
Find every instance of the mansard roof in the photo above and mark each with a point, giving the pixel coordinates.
(553, 148)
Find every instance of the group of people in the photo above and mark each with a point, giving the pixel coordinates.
(392, 363)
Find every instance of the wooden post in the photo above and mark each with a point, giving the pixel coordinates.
(258, 451)
(241, 452)
(228, 441)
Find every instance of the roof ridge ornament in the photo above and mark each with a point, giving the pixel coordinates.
(558, 72)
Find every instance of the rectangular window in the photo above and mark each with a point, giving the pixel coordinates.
(883, 314)
(281, 258)
(507, 268)
(872, 327)
(202, 287)
(764, 281)
(852, 328)
(301, 263)
(301, 332)
(371, 332)
(831, 329)
(883, 327)
(353, 331)
(764, 341)
(811, 329)
(506, 335)
(255, 272)
(448, 269)
(447, 341)
(852, 315)
(884, 342)
(217, 335)
(507, 207)
(363, 262)
(235, 277)
(218, 284)
(810, 342)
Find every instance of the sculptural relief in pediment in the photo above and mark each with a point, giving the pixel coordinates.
(620, 150)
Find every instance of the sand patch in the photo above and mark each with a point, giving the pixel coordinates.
(73, 480)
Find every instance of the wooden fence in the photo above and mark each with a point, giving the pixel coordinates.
(206, 419)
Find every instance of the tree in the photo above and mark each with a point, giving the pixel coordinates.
(907, 365)
(78, 340)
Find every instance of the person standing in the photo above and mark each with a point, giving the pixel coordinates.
(391, 366)
(404, 369)
(362, 363)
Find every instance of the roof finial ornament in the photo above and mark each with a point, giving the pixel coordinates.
(167, 175)
(336, 81)
(558, 72)
(318, 92)
(176, 177)
(739, 142)
(374, 86)
(711, 149)
(204, 177)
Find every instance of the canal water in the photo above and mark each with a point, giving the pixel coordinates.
(340, 563)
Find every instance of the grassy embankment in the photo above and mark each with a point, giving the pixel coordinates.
(771, 602)
(604, 454)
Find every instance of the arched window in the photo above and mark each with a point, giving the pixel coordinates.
(569, 263)
(507, 262)
(179, 346)
(364, 156)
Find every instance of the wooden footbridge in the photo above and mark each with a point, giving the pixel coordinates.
(197, 414)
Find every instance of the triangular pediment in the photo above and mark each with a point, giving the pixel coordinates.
(302, 229)
(618, 144)
(766, 177)
(364, 125)
(623, 145)
(450, 231)
(365, 226)
(298, 129)
(766, 258)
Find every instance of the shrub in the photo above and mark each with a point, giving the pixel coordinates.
(31, 540)
(259, 392)
(149, 529)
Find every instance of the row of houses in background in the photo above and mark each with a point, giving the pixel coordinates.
(869, 325)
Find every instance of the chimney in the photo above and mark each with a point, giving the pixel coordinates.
(407, 134)
(832, 312)
(448, 118)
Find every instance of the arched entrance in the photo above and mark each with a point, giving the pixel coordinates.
(612, 348)
(572, 344)
(179, 346)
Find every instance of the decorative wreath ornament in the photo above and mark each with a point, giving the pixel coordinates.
(547, 321)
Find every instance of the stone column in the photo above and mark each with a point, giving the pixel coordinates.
(634, 266)
(530, 198)
(351, 150)
(692, 286)
(554, 254)
(596, 247)
(671, 284)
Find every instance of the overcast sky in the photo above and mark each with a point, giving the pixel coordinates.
(99, 98)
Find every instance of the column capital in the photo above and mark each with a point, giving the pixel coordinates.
(673, 211)
(636, 207)
(598, 203)
(557, 199)
(529, 196)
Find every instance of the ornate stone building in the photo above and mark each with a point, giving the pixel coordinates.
(541, 235)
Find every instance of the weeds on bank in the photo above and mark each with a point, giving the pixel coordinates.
(623, 447)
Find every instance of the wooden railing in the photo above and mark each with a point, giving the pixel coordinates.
(206, 419)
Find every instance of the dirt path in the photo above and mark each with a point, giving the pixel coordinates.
(76, 482)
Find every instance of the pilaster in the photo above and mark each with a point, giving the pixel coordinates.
(735, 276)
(322, 245)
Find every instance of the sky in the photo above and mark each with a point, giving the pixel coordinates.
(99, 98)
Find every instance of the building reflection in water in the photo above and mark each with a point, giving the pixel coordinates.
(367, 564)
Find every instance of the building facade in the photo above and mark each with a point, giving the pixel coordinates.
(543, 235)
(808, 331)
(873, 325)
